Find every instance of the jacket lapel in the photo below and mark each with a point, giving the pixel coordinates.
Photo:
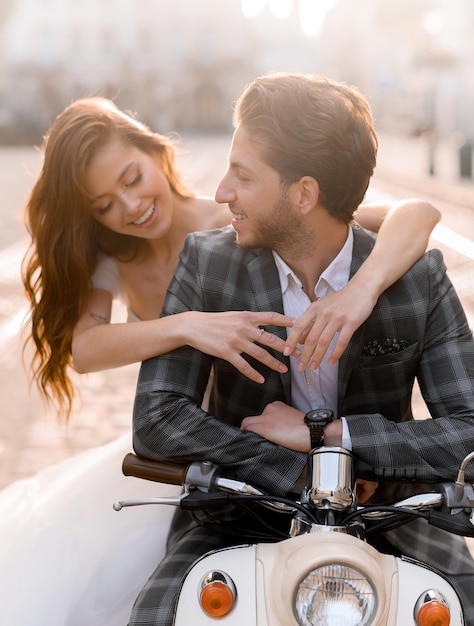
(267, 292)
(363, 244)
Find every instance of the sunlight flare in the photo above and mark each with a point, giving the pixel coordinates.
(312, 14)
(281, 8)
(251, 8)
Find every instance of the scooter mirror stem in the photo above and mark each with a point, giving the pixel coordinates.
(461, 478)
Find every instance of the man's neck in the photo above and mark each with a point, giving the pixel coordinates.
(327, 244)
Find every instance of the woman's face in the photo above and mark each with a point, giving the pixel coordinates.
(129, 192)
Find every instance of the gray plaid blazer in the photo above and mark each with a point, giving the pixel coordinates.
(421, 312)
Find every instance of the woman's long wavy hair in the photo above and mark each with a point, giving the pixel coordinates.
(66, 238)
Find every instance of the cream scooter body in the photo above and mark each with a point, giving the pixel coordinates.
(266, 576)
(353, 583)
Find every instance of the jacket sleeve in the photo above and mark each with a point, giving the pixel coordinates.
(442, 360)
(169, 422)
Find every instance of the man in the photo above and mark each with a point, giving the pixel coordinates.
(302, 155)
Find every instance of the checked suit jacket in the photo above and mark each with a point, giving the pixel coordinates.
(421, 312)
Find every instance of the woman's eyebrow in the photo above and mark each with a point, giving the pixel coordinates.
(122, 174)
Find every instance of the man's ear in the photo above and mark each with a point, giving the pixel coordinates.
(306, 194)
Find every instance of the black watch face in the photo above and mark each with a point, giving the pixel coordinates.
(319, 415)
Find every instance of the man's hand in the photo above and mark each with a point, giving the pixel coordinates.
(280, 424)
(284, 425)
(365, 489)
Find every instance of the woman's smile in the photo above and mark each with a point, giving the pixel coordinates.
(149, 213)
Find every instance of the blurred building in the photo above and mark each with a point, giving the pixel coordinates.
(181, 63)
(413, 60)
(178, 64)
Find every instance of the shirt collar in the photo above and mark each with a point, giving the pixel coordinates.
(334, 277)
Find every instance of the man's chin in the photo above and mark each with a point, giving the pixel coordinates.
(244, 243)
(248, 241)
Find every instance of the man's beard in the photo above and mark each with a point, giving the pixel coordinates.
(281, 230)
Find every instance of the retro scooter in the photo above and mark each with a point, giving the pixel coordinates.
(324, 573)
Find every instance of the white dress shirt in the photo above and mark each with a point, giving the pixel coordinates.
(315, 389)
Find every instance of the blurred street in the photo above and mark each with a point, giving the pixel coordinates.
(30, 436)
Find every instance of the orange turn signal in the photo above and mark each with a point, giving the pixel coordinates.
(217, 598)
(433, 613)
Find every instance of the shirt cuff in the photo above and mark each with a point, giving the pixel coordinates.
(346, 437)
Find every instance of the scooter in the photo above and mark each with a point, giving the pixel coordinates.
(325, 573)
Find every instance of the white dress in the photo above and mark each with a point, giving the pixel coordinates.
(66, 557)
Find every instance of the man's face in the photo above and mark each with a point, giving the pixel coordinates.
(263, 215)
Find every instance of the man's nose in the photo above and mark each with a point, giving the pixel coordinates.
(225, 192)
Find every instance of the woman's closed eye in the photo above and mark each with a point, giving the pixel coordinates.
(134, 181)
(102, 210)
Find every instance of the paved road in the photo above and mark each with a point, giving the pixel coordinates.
(31, 438)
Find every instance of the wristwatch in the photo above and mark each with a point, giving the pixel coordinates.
(316, 420)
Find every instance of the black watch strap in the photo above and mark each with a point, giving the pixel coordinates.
(316, 434)
(316, 420)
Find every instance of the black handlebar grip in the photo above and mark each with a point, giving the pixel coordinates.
(158, 471)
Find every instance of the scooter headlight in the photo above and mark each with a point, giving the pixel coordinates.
(335, 595)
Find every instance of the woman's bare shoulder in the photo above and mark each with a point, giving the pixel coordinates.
(212, 214)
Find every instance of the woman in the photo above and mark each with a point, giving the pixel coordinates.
(108, 216)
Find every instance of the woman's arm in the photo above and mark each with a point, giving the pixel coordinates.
(98, 344)
(403, 237)
(372, 216)
(403, 234)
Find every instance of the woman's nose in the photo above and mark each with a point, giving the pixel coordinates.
(130, 200)
(225, 192)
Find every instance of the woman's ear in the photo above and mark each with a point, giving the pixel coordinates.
(306, 194)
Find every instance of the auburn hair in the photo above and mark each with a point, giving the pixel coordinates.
(66, 238)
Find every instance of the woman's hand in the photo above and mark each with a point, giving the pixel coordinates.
(340, 314)
(230, 334)
(404, 231)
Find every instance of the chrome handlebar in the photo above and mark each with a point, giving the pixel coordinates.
(330, 485)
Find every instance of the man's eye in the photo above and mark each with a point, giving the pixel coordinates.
(241, 177)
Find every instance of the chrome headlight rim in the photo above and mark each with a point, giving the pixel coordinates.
(357, 590)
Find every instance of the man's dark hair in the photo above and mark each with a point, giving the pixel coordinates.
(308, 125)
